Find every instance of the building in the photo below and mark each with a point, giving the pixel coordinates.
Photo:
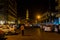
(8, 11)
(50, 15)
(58, 8)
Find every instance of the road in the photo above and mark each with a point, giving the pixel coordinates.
(35, 34)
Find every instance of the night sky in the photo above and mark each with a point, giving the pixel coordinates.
(33, 6)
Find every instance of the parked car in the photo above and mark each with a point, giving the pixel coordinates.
(12, 29)
(2, 35)
(47, 28)
(7, 29)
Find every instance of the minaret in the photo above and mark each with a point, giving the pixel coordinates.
(27, 14)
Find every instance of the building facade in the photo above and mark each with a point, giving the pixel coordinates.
(58, 8)
(8, 11)
(50, 15)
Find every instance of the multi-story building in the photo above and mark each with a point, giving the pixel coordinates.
(58, 8)
(8, 11)
(50, 15)
(49, 18)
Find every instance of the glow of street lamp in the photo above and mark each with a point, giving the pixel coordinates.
(38, 17)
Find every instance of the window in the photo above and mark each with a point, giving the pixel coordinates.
(1, 6)
(1, 1)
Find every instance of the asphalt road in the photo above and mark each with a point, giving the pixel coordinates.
(35, 34)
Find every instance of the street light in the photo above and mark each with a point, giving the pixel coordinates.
(38, 18)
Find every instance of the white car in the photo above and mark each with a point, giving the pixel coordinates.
(6, 29)
(12, 29)
(47, 29)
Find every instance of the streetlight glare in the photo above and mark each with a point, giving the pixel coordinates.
(38, 16)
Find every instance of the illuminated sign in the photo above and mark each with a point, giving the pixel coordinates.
(59, 20)
(56, 21)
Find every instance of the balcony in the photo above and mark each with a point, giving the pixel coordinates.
(11, 18)
(58, 15)
(12, 12)
(12, 9)
(57, 7)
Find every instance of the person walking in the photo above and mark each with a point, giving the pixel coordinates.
(22, 29)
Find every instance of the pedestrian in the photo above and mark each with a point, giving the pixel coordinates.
(22, 29)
